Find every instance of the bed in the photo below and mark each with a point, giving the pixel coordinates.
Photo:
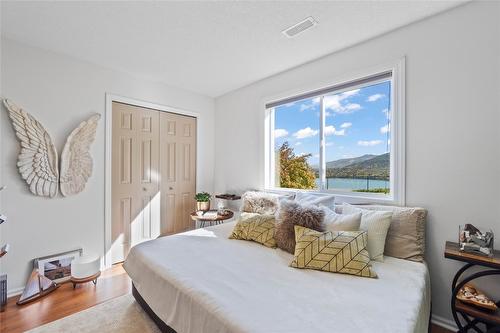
(201, 281)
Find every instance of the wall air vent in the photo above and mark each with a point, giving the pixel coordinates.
(303, 25)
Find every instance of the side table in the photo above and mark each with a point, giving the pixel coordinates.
(472, 315)
(211, 221)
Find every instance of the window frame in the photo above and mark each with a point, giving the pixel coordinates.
(397, 135)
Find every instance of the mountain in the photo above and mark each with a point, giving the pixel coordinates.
(348, 161)
(373, 166)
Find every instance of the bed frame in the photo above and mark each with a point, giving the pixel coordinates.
(160, 323)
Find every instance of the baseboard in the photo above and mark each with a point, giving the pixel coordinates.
(443, 322)
(15, 292)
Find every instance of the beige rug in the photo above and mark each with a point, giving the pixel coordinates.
(121, 314)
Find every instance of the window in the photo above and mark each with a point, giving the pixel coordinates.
(344, 139)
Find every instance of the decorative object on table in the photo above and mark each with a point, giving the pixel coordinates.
(4, 250)
(85, 269)
(231, 197)
(474, 240)
(57, 267)
(472, 315)
(36, 287)
(38, 161)
(210, 217)
(471, 295)
(203, 201)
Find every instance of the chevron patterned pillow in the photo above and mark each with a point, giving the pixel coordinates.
(255, 227)
(332, 251)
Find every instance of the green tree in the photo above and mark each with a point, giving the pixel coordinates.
(294, 170)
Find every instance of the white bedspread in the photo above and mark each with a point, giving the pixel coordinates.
(201, 281)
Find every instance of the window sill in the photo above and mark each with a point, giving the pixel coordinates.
(341, 197)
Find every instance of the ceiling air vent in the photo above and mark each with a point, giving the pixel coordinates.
(303, 25)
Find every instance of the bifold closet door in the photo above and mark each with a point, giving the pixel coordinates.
(178, 171)
(135, 178)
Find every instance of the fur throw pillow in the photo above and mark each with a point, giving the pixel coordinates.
(260, 203)
(292, 213)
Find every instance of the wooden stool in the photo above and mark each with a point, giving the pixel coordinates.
(92, 278)
(85, 269)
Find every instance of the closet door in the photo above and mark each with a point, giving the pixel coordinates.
(135, 178)
(178, 171)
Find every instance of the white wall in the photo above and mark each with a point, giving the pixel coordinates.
(61, 92)
(453, 117)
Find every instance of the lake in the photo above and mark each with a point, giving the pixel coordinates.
(354, 183)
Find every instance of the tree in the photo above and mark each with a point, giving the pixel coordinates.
(294, 170)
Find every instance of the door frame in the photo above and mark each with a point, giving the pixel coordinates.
(110, 98)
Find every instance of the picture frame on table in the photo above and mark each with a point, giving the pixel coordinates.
(57, 267)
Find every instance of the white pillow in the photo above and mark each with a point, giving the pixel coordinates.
(341, 222)
(315, 199)
(376, 223)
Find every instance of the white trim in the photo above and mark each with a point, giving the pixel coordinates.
(398, 136)
(15, 292)
(110, 98)
(444, 322)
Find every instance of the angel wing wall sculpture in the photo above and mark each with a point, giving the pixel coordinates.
(38, 161)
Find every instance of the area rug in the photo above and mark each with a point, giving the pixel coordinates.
(121, 314)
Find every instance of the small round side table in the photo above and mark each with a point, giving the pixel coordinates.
(210, 220)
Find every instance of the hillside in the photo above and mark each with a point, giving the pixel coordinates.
(373, 166)
(348, 161)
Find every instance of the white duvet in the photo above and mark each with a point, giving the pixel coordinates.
(201, 281)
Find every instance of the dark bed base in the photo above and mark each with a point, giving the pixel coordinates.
(160, 323)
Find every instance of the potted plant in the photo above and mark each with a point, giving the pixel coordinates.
(202, 201)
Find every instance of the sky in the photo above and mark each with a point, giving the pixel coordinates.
(357, 123)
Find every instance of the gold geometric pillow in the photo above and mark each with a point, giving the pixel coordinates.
(332, 251)
(255, 227)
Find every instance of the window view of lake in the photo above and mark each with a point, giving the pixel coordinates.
(350, 127)
(355, 183)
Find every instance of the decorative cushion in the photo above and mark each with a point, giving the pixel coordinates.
(341, 222)
(376, 223)
(406, 236)
(307, 198)
(293, 213)
(332, 251)
(255, 227)
(260, 203)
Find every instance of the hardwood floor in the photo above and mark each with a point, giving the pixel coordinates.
(66, 301)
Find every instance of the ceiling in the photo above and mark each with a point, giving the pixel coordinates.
(206, 47)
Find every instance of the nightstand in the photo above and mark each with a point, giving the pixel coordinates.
(472, 315)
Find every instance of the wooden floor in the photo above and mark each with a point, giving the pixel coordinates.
(66, 301)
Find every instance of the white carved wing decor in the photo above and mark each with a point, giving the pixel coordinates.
(76, 162)
(37, 161)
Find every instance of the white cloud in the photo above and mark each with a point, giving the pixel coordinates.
(346, 125)
(280, 132)
(331, 130)
(305, 133)
(340, 133)
(328, 144)
(375, 97)
(385, 129)
(316, 156)
(298, 143)
(306, 106)
(386, 112)
(339, 103)
(369, 143)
